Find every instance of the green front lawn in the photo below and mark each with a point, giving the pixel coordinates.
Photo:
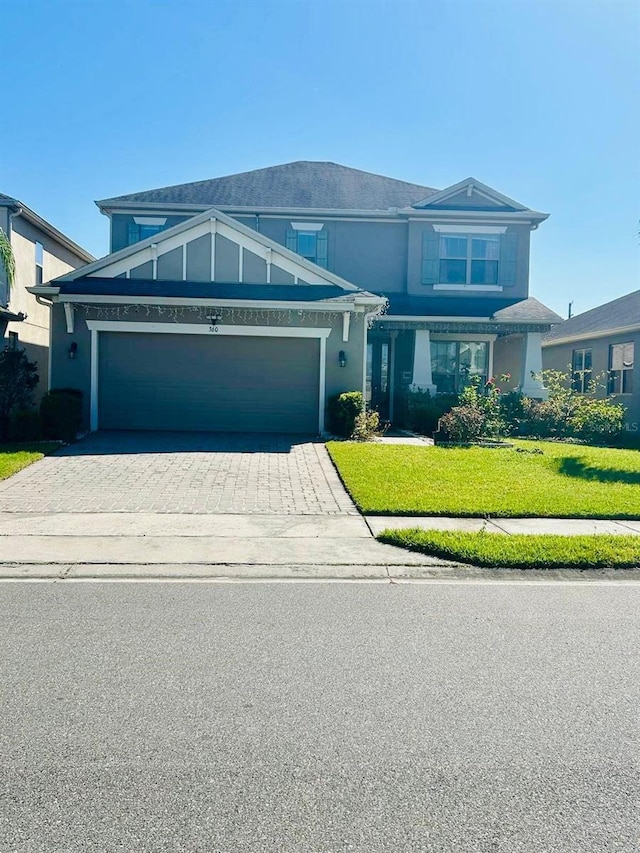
(564, 480)
(522, 551)
(14, 457)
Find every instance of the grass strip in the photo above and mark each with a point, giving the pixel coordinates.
(521, 551)
(15, 457)
(531, 479)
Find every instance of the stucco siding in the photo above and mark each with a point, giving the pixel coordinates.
(559, 357)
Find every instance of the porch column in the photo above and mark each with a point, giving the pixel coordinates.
(531, 385)
(422, 378)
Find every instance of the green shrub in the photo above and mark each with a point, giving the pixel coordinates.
(462, 424)
(571, 414)
(25, 425)
(424, 411)
(366, 427)
(61, 412)
(343, 410)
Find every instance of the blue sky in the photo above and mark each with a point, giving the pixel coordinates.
(539, 99)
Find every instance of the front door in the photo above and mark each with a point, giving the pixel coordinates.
(377, 391)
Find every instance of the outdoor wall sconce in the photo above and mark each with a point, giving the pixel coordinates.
(342, 358)
(73, 350)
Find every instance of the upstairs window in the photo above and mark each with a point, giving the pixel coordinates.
(581, 370)
(621, 368)
(474, 260)
(311, 244)
(145, 226)
(39, 263)
(469, 259)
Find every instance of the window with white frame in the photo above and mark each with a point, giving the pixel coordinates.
(39, 263)
(581, 370)
(469, 259)
(621, 358)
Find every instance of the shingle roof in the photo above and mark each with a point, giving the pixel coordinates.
(499, 310)
(303, 184)
(618, 314)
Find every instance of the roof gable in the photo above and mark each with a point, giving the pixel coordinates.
(210, 247)
(303, 184)
(469, 194)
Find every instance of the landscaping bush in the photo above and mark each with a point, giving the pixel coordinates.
(462, 424)
(366, 427)
(61, 411)
(25, 425)
(571, 414)
(18, 378)
(343, 410)
(424, 411)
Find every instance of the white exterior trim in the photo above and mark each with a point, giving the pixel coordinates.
(307, 226)
(484, 287)
(150, 220)
(478, 187)
(104, 299)
(455, 336)
(470, 229)
(346, 319)
(97, 326)
(69, 316)
(93, 397)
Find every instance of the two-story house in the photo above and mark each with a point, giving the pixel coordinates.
(245, 302)
(41, 253)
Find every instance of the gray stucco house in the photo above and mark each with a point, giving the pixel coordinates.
(601, 344)
(245, 302)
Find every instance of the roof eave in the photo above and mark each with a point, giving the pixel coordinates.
(47, 228)
(583, 336)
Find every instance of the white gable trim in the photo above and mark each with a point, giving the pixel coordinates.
(473, 185)
(209, 222)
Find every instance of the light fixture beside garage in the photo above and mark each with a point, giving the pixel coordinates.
(342, 358)
(73, 350)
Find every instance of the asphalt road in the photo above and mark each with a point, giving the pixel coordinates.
(319, 718)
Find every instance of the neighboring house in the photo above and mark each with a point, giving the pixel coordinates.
(601, 344)
(245, 302)
(41, 253)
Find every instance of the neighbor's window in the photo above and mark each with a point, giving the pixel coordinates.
(621, 368)
(39, 263)
(581, 370)
(453, 363)
(469, 259)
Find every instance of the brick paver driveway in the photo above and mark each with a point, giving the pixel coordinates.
(181, 473)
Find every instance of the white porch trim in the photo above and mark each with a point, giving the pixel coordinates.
(97, 326)
(422, 376)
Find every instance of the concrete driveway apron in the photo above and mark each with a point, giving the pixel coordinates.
(154, 504)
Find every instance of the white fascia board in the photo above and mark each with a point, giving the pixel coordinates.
(126, 207)
(43, 290)
(206, 329)
(224, 224)
(585, 336)
(104, 299)
(498, 217)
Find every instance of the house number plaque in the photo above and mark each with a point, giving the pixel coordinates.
(214, 329)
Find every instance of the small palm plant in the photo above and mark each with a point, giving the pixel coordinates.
(7, 259)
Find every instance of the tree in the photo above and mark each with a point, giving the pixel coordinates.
(7, 259)
(18, 378)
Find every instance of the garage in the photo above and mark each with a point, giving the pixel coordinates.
(226, 382)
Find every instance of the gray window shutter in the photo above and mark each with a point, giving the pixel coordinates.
(508, 257)
(292, 240)
(321, 248)
(430, 257)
